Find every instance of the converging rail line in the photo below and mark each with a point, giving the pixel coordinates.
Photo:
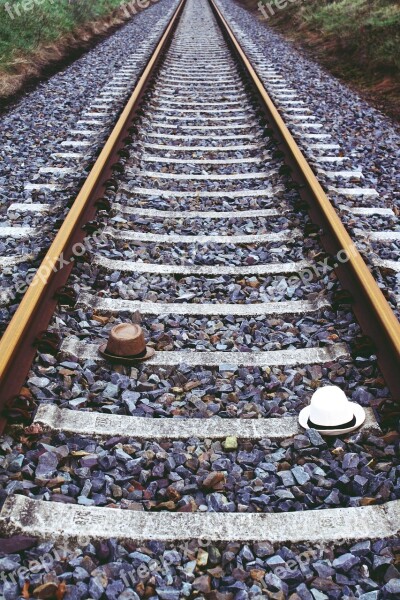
(202, 220)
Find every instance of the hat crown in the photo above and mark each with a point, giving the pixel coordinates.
(330, 407)
(125, 331)
(126, 339)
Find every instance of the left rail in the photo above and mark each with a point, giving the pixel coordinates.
(18, 344)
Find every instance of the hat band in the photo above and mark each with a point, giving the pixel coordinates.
(138, 355)
(328, 427)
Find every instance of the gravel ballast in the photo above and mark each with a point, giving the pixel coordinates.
(199, 569)
(248, 360)
(35, 129)
(369, 139)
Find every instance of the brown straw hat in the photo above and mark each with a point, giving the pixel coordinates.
(126, 345)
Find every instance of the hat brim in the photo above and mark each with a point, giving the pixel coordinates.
(358, 412)
(125, 360)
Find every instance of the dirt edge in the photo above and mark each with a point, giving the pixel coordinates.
(381, 90)
(28, 69)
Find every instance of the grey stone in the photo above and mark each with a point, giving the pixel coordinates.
(392, 587)
(11, 591)
(345, 562)
(300, 475)
(273, 581)
(286, 478)
(47, 465)
(275, 561)
(263, 549)
(350, 460)
(168, 593)
(10, 563)
(95, 588)
(315, 438)
(361, 548)
(317, 595)
(128, 595)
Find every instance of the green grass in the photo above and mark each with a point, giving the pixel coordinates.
(43, 23)
(368, 30)
(357, 40)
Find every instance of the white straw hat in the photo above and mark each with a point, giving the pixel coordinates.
(331, 413)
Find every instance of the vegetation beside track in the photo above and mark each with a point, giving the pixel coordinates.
(358, 40)
(36, 33)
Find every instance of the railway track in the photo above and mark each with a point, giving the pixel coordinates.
(203, 221)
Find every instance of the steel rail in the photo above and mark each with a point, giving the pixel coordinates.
(17, 346)
(373, 312)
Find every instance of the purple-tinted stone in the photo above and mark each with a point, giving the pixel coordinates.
(360, 485)
(333, 497)
(250, 458)
(96, 589)
(361, 549)
(273, 582)
(114, 589)
(393, 587)
(286, 478)
(16, 543)
(369, 596)
(304, 592)
(301, 441)
(89, 461)
(47, 465)
(107, 462)
(300, 475)
(275, 561)
(345, 562)
(381, 562)
(10, 591)
(323, 569)
(263, 549)
(350, 461)
(168, 593)
(315, 438)
(103, 551)
(80, 574)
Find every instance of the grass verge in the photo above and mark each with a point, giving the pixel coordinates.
(357, 40)
(37, 33)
